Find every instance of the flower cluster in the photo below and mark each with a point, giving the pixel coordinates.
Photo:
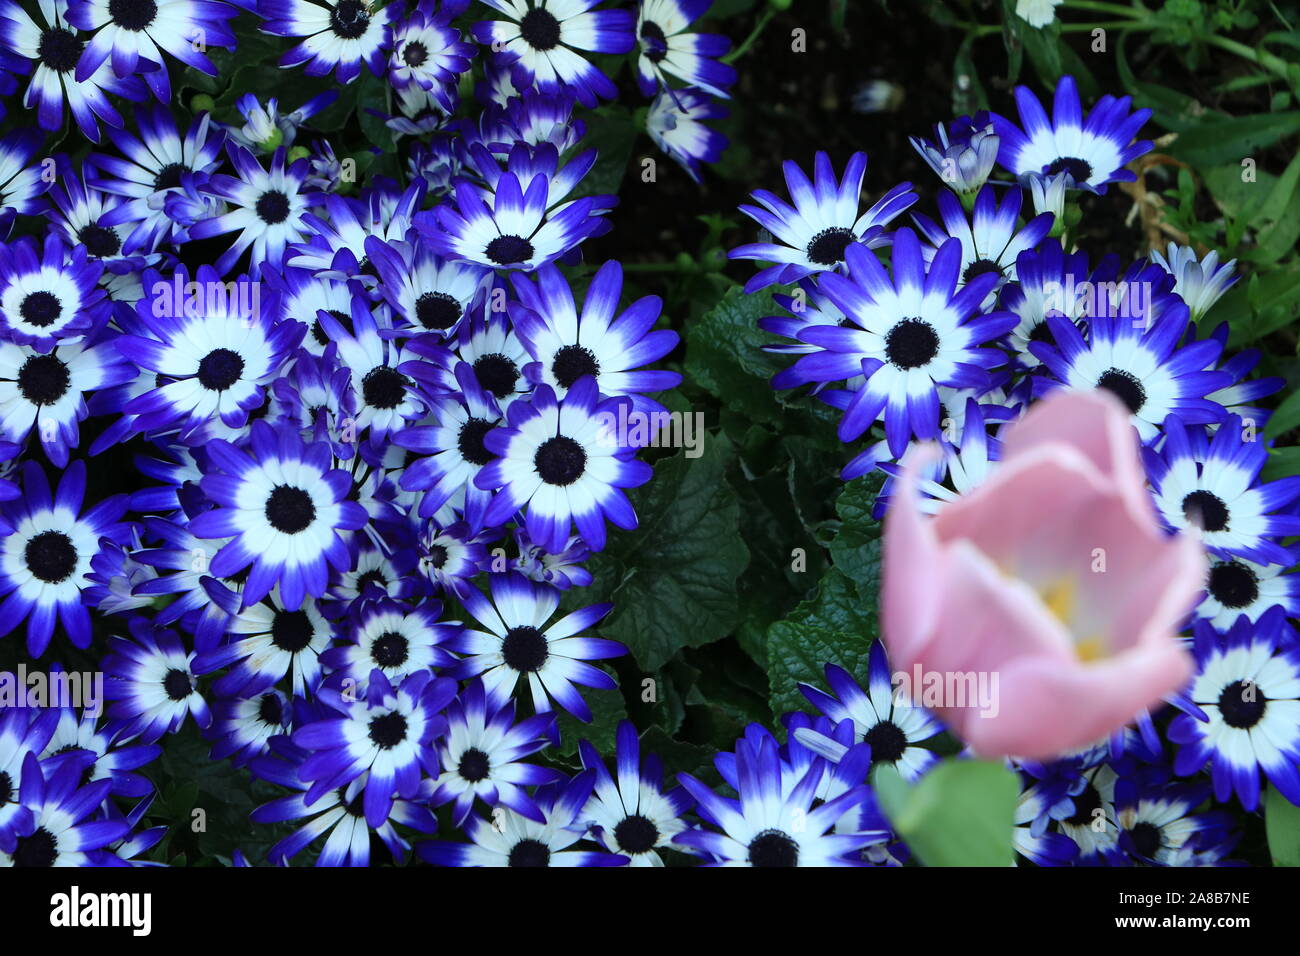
(373, 421)
(943, 333)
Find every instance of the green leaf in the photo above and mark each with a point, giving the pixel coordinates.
(724, 354)
(1285, 418)
(612, 132)
(854, 548)
(1222, 139)
(961, 813)
(607, 709)
(1282, 823)
(835, 626)
(677, 572)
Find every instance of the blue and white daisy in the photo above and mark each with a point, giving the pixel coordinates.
(150, 680)
(991, 240)
(1247, 689)
(1093, 150)
(562, 569)
(512, 839)
(963, 154)
(338, 35)
(520, 642)
(907, 335)
(103, 751)
(268, 209)
(285, 504)
(1131, 349)
(393, 638)
(341, 815)
(517, 231)
(668, 49)
(23, 731)
(884, 719)
(45, 560)
(1199, 282)
(1236, 586)
(538, 41)
(676, 124)
(264, 643)
(20, 183)
(62, 828)
(49, 293)
(630, 812)
(601, 342)
(567, 463)
(53, 45)
(132, 35)
(213, 355)
(1048, 280)
(1157, 823)
(429, 53)
(242, 727)
(336, 246)
(1211, 485)
(771, 825)
(482, 755)
(388, 735)
(156, 163)
(427, 293)
(813, 235)
(266, 128)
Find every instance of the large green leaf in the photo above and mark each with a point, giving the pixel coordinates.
(676, 574)
(961, 813)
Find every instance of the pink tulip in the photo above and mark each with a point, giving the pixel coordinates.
(1053, 576)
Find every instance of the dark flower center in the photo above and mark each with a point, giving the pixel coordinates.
(43, 379)
(51, 556)
(887, 742)
(911, 343)
(349, 19)
(1124, 386)
(1233, 584)
(1146, 838)
(272, 207)
(388, 730)
(177, 684)
(414, 53)
(560, 460)
(289, 510)
(40, 308)
(59, 49)
(291, 630)
(220, 369)
(437, 310)
(496, 374)
(524, 648)
(571, 363)
(636, 834)
(270, 710)
(1042, 332)
(773, 848)
(1086, 804)
(540, 29)
(1242, 705)
(653, 42)
(437, 556)
(980, 267)
(530, 853)
(374, 577)
(473, 765)
(504, 250)
(383, 387)
(132, 14)
(1206, 510)
(169, 177)
(1078, 169)
(470, 441)
(342, 318)
(389, 649)
(39, 849)
(100, 241)
(827, 247)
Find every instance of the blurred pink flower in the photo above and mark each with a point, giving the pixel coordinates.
(1054, 576)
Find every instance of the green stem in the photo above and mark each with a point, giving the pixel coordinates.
(741, 50)
(1268, 61)
(1119, 9)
